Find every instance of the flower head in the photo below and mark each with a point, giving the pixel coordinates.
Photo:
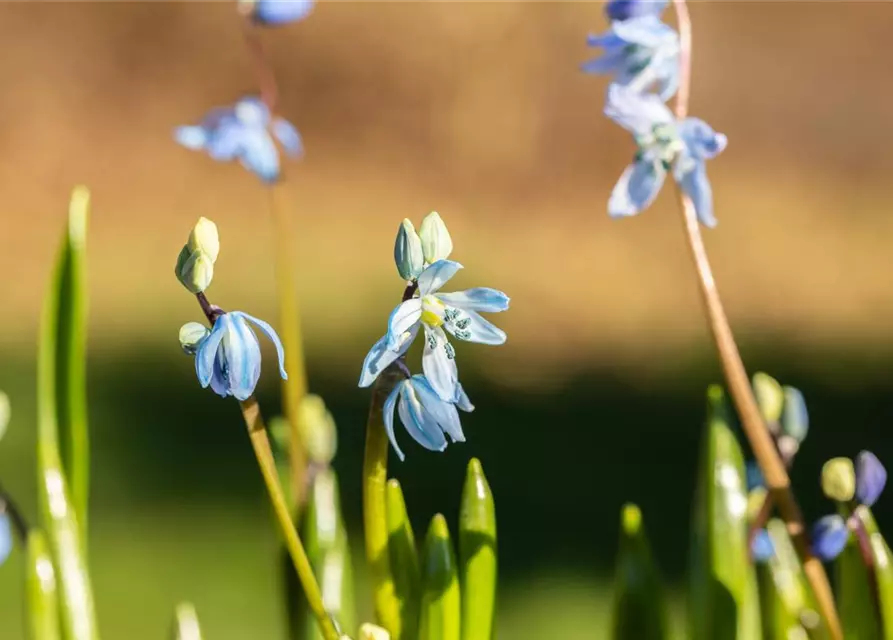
(630, 9)
(244, 132)
(457, 313)
(277, 12)
(665, 144)
(641, 53)
(425, 415)
(829, 537)
(228, 356)
(871, 477)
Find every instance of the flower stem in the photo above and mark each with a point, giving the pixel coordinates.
(777, 480)
(261, 443)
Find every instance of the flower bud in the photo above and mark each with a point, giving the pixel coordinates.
(436, 241)
(408, 252)
(770, 398)
(839, 479)
(4, 413)
(318, 429)
(372, 632)
(203, 237)
(870, 478)
(794, 417)
(191, 336)
(195, 270)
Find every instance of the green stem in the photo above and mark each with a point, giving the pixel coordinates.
(261, 443)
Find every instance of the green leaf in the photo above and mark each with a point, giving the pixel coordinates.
(724, 600)
(40, 585)
(325, 540)
(404, 560)
(60, 387)
(477, 553)
(186, 626)
(440, 614)
(640, 610)
(784, 594)
(856, 600)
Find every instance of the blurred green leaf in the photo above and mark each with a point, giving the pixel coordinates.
(856, 599)
(325, 539)
(783, 590)
(724, 602)
(404, 560)
(477, 553)
(640, 609)
(186, 626)
(883, 570)
(61, 402)
(440, 613)
(40, 584)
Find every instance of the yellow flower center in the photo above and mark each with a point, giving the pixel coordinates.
(432, 311)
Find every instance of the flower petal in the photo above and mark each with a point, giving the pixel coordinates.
(870, 478)
(761, 547)
(219, 379)
(701, 141)
(645, 31)
(610, 62)
(634, 111)
(439, 363)
(476, 299)
(473, 327)
(278, 12)
(259, 155)
(404, 317)
(272, 335)
(388, 415)
(697, 186)
(242, 353)
(5, 536)
(379, 356)
(437, 275)
(444, 413)
(207, 351)
(288, 136)
(636, 189)
(618, 10)
(419, 424)
(225, 143)
(829, 537)
(192, 137)
(462, 400)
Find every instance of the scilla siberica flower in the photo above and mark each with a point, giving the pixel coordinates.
(628, 9)
(641, 53)
(277, 12)
(245, 133)
(227, 358)
(664, 145)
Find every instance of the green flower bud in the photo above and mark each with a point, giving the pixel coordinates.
(839, 479)
(191, 334)
(770, 398)
(372, 632)
(195, 270)
(795, 417)
(408, 252)
(436, 241)
(318, 429)
(4, 413)
(203, 237)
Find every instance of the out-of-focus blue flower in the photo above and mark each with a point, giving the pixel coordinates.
(228, 357)
(761, 547)
(630, 9)
(276, 12)
(754, 476)
(871, 477)
(427, 418)
(5, 536)
(641, 53)
(829, 537)
(246, 133)
(664, 145)
(458, 313)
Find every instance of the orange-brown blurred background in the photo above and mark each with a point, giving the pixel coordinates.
(476, 110)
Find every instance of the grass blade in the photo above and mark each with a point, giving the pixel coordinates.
(404, 560)
(477, 551)
(440, 613)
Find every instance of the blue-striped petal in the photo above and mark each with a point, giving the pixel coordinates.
(404, 317)
(243, 360)
(379, 356)
(701, 141)
(462, 400)
(443, 413)
(634, 111)
(260, 156)
(473, 327)
(476, 299)
(419, 424)
(288, 136)
(636, 189)
(437, 275)
(268, 331)
(207, 351)
(696, 185)
(388, 415)
(645, 31)
(439, 363)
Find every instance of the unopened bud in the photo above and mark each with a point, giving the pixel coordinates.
(408, 252)
(318, 429)
(4, 413)
(195, 270)
(436, 241)
(372, 632)
(191, 336)
(839, 479)
(203, 237)
(770, 398)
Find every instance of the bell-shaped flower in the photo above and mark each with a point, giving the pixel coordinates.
(871, 477)
(425, 415)
(664, 145)
(641, 53)
(227, 358)
(829, 537)
(630, 9)
(246, 132)
(457, 313)
(272, 13)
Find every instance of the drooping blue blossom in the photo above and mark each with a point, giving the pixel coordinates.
(829, 537)
(277, 12)
(664, 145)
(871, 477)
(761, 547)
(641, 53)
(426, 417)
(227, 358)
(458, 313)
(245, 132)
(5, 536)
(616, 10)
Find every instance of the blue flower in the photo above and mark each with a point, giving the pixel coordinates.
(630, 9)
(427, 418)
(829, 537)
(871, 477)
(5, 536)
(641, 53)
(664, 145)
(228, 357)
(455, 312)
(761, 547)
(245, 133)
(276, 12)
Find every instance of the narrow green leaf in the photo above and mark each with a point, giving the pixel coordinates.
(477, 553)
(40, 583)
(640, 610)
(404, 560)
(186, 626)
(784, 594)
(57, 376)
(441, 606)
(883, 567)
(858, 611)
(325, 540)
(724, 602)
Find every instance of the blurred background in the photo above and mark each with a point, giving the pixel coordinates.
(476, 110)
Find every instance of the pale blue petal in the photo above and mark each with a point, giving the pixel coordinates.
(288, 136)
(611, 62)
(636, 189)
(829, 537)
(260, 156)
(871, 478)
(762, 549)
(204, 357)
(476, 299)
(646, 31)
(403, 318)
(252, 113)
(220, 378)
(242, 353)
(191, 137)
(278, 12)
(272, 335)
(437, 275)
(444, 413)
(606, 40)
(439, 363)
(668, 79)
(226, 142)
(388, 415)
(477, 329)
(697, 187)
(462, 400)
(634, 111)
(420, 426)
(5, 536)
(701, 141)
(379, 357)
(618, 10)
